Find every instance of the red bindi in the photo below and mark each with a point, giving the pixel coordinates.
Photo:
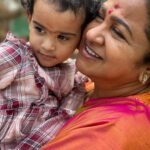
(110, 11)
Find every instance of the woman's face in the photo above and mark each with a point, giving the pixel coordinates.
(115, 43)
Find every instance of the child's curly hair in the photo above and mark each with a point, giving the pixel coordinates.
(28, 5)
(74, 5)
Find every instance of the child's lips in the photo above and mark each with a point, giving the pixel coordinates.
(47, 55)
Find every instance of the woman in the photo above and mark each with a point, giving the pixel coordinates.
(115, 54)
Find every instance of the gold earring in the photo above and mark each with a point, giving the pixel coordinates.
(143, 78)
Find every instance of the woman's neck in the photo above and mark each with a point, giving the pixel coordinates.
(118, 91)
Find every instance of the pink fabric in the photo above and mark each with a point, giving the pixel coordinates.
(106, 124)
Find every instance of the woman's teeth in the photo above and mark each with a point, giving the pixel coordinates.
(90, 52)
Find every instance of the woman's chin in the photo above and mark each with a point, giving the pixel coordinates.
(81, 64)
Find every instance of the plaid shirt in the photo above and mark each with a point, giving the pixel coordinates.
(35, 102)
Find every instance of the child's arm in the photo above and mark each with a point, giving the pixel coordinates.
(70, 102)
(76, 96)
(9, 62)
(9, 66)
(49, 129)
(42, 134)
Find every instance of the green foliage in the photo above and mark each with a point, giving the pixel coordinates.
(19, 26)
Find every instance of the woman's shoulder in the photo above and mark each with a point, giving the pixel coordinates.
(133, 131)
(106, 112)
(108, 125)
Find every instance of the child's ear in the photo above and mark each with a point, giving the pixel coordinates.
(29, 17)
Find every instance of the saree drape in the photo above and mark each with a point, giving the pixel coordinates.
(107, 124)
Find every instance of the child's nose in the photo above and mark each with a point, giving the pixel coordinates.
(49, 44)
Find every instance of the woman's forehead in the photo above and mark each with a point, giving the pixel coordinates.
(130, 10)
(125, 4)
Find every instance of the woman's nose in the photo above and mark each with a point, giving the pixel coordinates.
(96, 35)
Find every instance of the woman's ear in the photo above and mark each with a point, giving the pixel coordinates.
(145, 75)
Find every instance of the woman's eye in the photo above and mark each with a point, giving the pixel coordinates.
(118, 33)
(62, 37)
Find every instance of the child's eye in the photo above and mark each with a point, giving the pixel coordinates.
(63, 37)
(39, 29)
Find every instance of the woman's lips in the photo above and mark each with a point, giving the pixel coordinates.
(88, 52)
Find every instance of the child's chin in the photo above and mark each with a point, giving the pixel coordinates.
(46, 65)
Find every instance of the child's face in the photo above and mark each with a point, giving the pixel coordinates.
(54, 35)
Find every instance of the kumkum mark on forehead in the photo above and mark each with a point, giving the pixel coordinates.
(116, 6)
(110, 11)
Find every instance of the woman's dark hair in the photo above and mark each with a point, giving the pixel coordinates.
(64, 5)
(147, 32)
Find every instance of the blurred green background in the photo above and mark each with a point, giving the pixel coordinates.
(13, 19)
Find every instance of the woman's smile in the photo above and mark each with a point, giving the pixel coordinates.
(89, 53)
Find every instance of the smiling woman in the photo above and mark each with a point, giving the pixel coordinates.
(115, 54)
(40, 87)
(118, 41)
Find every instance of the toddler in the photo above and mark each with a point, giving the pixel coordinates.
(39, 87)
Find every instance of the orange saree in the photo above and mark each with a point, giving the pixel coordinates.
(107, 124)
